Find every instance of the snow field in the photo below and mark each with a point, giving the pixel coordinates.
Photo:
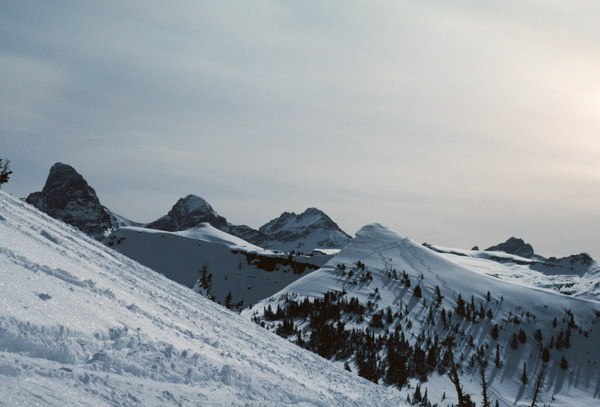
(83, 325)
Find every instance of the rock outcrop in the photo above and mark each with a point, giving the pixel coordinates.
(514, 246)
(68, 197)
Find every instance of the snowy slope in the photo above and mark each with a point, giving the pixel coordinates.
(83, 325)
(576, 275)
(204, 231)
(249, 272)
(512, 306)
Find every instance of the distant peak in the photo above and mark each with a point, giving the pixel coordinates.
(514, 246)
(187, 213)
(194, 202)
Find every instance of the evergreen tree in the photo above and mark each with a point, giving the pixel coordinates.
(514, 345)
(545, 355)
(524, 374)
(539, 385)
(567, 341)
(229, 301)
(537, 335)
(483, 364)
(4, 171)
(438, 294)
(560, 340)
(522, 336)
(417, 292)
(460, 306)
(563, 364)
(495, 332)
(464, 399)
(498, 361)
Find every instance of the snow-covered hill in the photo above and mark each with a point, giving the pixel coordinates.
(576, 275)
(81, 325)
(248, 272)
(460, 296)
(304, 232)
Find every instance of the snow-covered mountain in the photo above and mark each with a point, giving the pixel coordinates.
(68, 197)
(82, 325)
(384, 304)
(303, 232)
(187, 213)
(248, 272)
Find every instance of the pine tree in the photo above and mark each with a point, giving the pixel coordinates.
(464, 399)
(545, 355)
(443, 318)
(460, 306)
(564, 365)
(4, 171)
(524, 374)
(495, 332)
(539, 385)
(229, 301)
(483, 364)
(438, 294)
(514, 345)
(522, 336)
(417, 292)
(498, 361)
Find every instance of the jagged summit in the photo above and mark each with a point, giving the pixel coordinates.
(514, 246)
(304, 232)
(187, 213)
(68, 197)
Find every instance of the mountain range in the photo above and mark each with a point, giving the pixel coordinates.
(68, 197)
(411, 317)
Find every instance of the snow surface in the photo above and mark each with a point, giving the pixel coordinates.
(180, 255)
(575, 279)
(383, 250)
(82, 325)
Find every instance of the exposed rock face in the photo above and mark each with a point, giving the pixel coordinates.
(187, 213)
(513, 246)
(304, 232)
(68, 197)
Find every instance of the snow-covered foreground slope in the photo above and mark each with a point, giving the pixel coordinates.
(81, 325)
(367, 268)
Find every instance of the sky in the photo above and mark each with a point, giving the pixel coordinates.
(456, 123)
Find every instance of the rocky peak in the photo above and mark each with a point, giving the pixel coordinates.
(68, 197)
(514, 246)
(304, 232)
(187, 213)
(310, 219)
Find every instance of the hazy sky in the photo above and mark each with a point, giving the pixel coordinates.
(458, 123)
